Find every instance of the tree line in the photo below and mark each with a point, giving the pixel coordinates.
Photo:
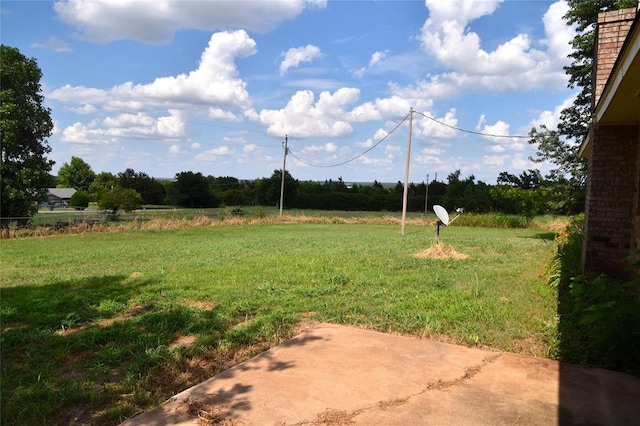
(526, 194)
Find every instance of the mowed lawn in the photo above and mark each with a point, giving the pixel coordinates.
(98, 326)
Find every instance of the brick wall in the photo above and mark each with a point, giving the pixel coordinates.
(611, 33)
(612, 219)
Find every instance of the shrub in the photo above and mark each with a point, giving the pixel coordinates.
(79, 200)
(599, 318)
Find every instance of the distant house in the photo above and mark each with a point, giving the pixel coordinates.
(612, 211)
(59, 196)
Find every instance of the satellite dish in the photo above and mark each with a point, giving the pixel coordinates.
(442, 214)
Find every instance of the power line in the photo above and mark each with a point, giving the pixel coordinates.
(470, 131)
(353, 158)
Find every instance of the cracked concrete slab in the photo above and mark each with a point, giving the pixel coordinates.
(333, 375)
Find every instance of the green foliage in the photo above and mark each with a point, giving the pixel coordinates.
(77, 174)
(561, 147)
(600, 317)
(103, 182)
(151, 191)
(466, 193)
(24, 125)
(192, 190)
(606, 314)
(268, 190)
(575, 120)
(120, 199)
(79, 199)
(492, 220)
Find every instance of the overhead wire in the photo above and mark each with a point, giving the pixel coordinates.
(470, 131)
(353, 158)
(394, 129)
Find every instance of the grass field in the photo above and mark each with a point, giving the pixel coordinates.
(97, 326)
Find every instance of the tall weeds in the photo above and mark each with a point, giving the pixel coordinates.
(599, 318)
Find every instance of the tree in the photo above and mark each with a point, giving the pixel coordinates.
(561, 147)
(268, 190)
(24, 125)
(192, 190)
(126, 199)
(103, 182)
(76, 174)
(79, 200)
(575, 119)
(151, 191)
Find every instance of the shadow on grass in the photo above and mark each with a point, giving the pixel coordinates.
(88, 351)
(599, 326)
(546, 236)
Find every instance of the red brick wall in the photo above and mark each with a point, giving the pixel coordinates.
(612, 219)
(611, 33)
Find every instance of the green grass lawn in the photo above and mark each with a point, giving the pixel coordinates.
(98, 326)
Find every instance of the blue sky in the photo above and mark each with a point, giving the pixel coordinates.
(214, 86)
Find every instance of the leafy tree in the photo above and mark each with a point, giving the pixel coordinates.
(192, 190)
(119, 198)
(76, 174)
(151, 191)
(24, 125)
(268, 190)
(79, 200)
(575, 119)
(561, 147)
(103, 182)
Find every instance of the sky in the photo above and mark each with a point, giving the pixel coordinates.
(167, 86)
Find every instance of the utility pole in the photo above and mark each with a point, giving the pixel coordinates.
(284, 165)
(426, 195)
(406, 174)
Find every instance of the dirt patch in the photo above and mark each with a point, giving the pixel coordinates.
(335, 417)
(209, 414)
(392, 403)
(182, 341)
(206, 305)
(441, 252)
(136, 311)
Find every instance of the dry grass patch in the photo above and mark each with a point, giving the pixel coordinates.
(441, 252)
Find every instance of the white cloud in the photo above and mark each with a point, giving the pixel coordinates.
(112, 129)
(377, 137)
(213, 154)
(376, 57)
(54, 43)
(328, 147)
(494, 160)
(513, 65)
(294, 56)
(500, 128)
(559, 34)
(215, 81)
(430, 156)
(304, 117)
(155, 21)
(220, 114)
(432, 127)
(551, 119)
(212, 87)
(86, 109)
